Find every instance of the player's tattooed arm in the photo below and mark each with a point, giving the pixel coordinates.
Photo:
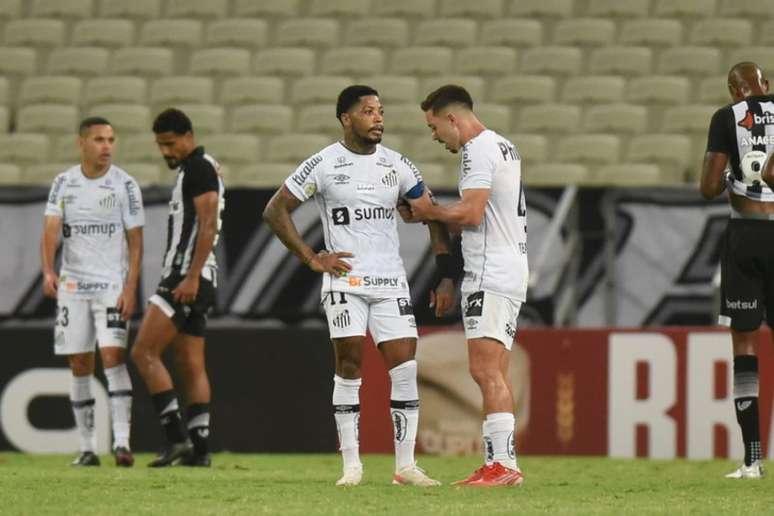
(277, 216)
(52, 227)
(713, 174)
(127, 301)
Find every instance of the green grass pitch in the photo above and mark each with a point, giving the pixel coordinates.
(304, 484)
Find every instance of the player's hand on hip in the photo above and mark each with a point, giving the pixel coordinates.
(331, 263)
(442, 297)
(50, 284)
(126, 303)
(186, 290)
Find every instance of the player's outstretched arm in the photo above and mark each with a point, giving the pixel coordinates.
(712, 174)
(277, 216)
(52, 227)
(127, 301)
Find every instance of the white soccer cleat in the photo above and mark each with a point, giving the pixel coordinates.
(754, 470)
(413, 475)
(351, 477)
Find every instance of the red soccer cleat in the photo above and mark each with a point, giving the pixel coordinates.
(494, 475)
(475, 477)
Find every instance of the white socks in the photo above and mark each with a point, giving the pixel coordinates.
(82, 402)
(498, 433)
(346, 407)
(120, 389)
(404, 410)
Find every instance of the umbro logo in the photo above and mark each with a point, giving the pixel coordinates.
(743, 405)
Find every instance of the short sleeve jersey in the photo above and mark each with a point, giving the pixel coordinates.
(95, 214)
(357, 195)
(745, 132)
(495, 251)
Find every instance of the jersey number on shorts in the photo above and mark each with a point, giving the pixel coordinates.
(342, 299)
(62, 316)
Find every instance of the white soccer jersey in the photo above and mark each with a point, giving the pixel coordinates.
(95, 214)
(357, 195)
(495, 251)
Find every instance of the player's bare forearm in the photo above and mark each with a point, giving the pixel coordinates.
(206, 206)
(52, 227)
(713, 174)
(277, 216)
(135, 245)
(439, 238)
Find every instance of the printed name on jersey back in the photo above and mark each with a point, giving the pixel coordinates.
(309, 166)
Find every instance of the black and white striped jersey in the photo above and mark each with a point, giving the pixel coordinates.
(745, 131)
(198, 174)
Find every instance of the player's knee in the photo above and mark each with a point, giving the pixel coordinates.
(81, 365)
(348, 368)
(484, 374)
(140, 356)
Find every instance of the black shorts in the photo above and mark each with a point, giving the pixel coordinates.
(190, 319)
(747, 274)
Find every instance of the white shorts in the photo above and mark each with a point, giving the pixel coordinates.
(82, 322)
(387, 318)
(490, 315)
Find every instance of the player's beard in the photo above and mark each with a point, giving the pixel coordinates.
(368, 139)
(172, 163)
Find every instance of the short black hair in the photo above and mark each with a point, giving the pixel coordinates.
(350, 96)
(87, 123)
(446, 96)
(172, 120)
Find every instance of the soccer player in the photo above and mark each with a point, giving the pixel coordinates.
(737, 146)
(177, 312)
(357, 184)
(493, 217)
(97, 208)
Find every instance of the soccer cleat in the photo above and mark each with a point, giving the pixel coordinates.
(86, 458)
(172, 454)
(495, 475)
(196, 460)
(476, 476)
(413, 475)
(123, 457)
(754, 470)
(351, 477)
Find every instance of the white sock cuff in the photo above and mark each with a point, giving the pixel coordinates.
(118, 378)
(499, 422)
(80, 388)
(346, 391)
(200, 420)
(404, 381)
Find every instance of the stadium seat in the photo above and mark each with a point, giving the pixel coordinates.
(285, 61)
(262, 175)
(43, 174)
(722, 32)
(10, 174)
(138, 148)
(766, 34)
(50, 89)
(668, 149)
(468, 9)
(495, 116)
(685, 8)
(34, 32)
(445, 32)
(550, 118)
(632, 61)
(513, 32)
(206, 118)
(248, 33)
(220, 62)
(692, 118)
(168, 91)
(61, 8)
(754, 9)
(296, 147)
(524, 89)
(396, 143)
(143, 61)
(146, 174)
(103, 33)
(421, 61)
(24, 149)
(475, 85)
(261, 118)
(47, 118)
(555, 174)
(204, 9)
(380, 32)
(584, 32)
(616, 118)
(698, 61)
(652, 32)
(659, 89)
(5, 119)
(542, 8)
(18, 61)
(318, 88)
(627, 175)
(395, 89)
(136, 9)
(760, 55)
(307, 32)
(714, 90)
(422, 149)
(10, 9)
(590, 149)
(358, 61)
(266, 8)
(5, 93)
(339, 8)
(81, 61)
(593, 89)
(532, 148)
(237, 149)
(552, 60)
(486, 61)
(252, 90)
(405, 118)
(320, 118)
(440, 176)
(405, 8)
(115, 90)
(125, 118)
(171, 33)
(619, 8)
